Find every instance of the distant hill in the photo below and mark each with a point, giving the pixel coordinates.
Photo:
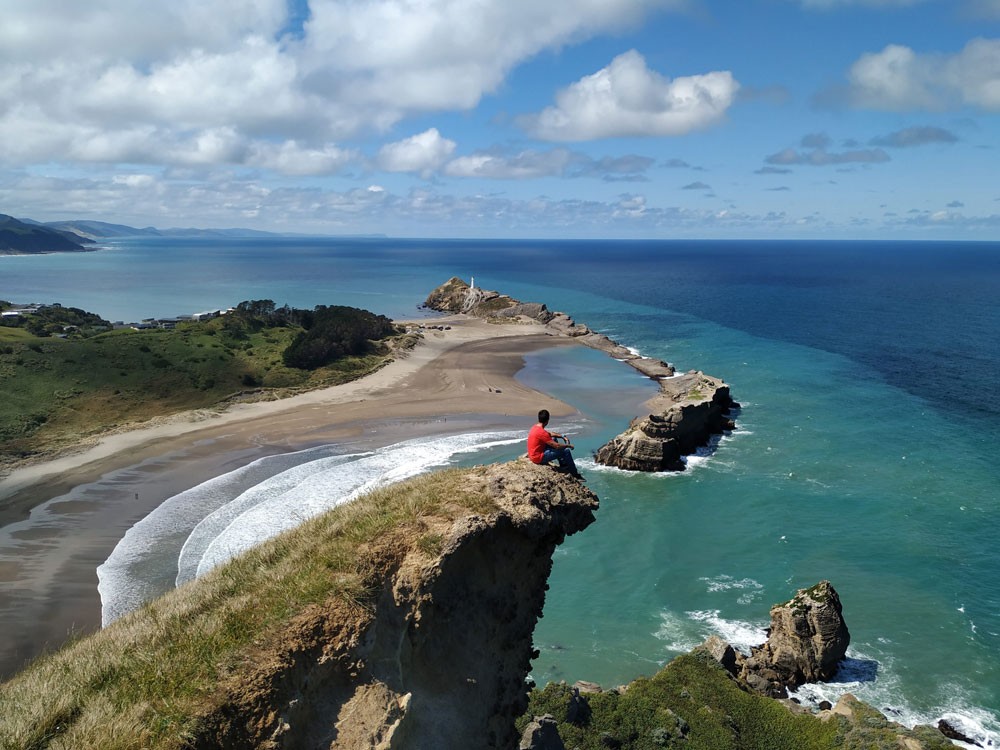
(87, 231)
(23, 238)
(97, 230)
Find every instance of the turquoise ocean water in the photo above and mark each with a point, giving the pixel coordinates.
(864, 454)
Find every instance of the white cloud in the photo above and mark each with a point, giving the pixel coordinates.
(293, 159)
(423, 153)
(984, 8)
(399, 55)
(189, 81)
(914, 136)
(524, 165)
(628, 99)
(528, 164)
(820, 157)
(131, 30)
(900, 79)
(134, 180)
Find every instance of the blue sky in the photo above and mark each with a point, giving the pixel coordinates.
(508, 118)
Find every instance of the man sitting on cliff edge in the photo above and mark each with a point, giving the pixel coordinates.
(543, 447)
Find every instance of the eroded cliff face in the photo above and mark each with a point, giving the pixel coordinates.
(440, 660)
(807, 640)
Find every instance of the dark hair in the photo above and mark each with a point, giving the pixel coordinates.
(543, 416)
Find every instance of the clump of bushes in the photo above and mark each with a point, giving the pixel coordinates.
(335, 331)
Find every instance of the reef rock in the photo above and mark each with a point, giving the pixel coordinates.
(688, 411)
(807, 639)
(542, 733)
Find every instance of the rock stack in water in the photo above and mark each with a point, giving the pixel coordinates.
(807, 639)
(688, 411)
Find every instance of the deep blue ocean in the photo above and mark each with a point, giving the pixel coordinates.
(865, 451)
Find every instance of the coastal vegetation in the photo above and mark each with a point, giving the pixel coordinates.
(68, 376)
(413, 591)
(152, 678)
(694, 703)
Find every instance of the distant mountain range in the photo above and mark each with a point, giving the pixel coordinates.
(27, 236)
(24, 237)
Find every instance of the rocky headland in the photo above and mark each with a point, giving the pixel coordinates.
(689, 409)
(404, 620)
(21, 238)
(716, 696)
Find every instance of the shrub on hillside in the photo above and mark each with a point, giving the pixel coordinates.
(334, 332)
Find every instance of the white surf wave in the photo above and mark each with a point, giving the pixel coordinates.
(872, 680)
(684, 633)
(207, 525)
(876, 682)
(751, 589)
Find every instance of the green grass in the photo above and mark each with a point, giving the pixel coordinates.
(693, 703)
(148, 680)
(59, 390)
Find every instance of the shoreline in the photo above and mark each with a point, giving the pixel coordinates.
(442, 388)
(61, 518)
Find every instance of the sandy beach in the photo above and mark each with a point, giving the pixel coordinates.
(81, 504)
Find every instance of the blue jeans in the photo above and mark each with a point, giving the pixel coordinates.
(563, 455)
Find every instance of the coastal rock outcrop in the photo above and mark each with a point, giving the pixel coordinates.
(703, 699)
(689, 409)
(807, 640)
(684, 416)
(456, 296)
(441, 659)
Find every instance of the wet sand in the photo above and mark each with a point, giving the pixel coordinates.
(60, 519)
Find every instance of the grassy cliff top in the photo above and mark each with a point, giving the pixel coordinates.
(412, 604)
(150, 679)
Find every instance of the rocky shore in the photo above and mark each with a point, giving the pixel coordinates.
(429, 649)
(683, 417)
(688, 411)
(716, 696)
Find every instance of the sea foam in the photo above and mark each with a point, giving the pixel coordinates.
(201, 528)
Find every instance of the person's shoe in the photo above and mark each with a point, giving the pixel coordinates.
(579, 476)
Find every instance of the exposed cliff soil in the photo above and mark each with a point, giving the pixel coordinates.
(403, 619)
(440, 660)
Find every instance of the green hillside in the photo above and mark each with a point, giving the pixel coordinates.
(19, 238)
(59, 390)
